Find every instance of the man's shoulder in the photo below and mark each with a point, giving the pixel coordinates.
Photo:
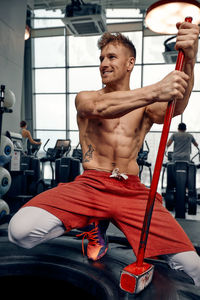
(183, 135)
(87, 93)
(25, 133)
(187, 134)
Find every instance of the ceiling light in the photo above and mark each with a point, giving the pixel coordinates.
(162, 16)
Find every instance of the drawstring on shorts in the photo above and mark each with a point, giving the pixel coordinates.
(118, 175)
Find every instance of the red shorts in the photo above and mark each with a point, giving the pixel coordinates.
(94, 195)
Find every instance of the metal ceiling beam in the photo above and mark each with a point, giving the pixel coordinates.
(61, 4)
(116, 27)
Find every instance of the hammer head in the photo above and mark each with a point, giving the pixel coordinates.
(135, 278)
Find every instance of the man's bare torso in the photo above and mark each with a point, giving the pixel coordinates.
(113, 121)
(113, 143)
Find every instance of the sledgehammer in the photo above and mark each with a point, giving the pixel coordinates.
(136, 276)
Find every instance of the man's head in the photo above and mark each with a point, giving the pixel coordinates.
(117, 38)
(23, 124)
(117, 57)
(182, 127)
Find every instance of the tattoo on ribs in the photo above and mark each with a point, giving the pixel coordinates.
(88, 154)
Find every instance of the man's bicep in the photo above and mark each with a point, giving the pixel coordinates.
(170, 141)
(85, 104)
(30, 137)
(194, 142)
(156, 112)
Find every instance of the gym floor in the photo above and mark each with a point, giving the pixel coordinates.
(192, 217)
(196, 217)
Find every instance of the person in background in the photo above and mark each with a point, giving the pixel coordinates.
(26, 135)
(182, 143)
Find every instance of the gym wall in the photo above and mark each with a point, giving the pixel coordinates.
(12, 28)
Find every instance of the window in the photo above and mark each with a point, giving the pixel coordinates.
(136, 38)
(72, 113)
(83, 51)
(50, 111)
(54, 46)
(50, 80)
(83, 79)
(41, 22)
(154, 48)
(191, 113)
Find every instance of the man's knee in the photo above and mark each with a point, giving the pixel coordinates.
(31, 226)
(189, 262)
(18, 233)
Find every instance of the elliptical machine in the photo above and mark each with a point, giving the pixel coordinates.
(181, 193)
(61, 165)
(142, 161)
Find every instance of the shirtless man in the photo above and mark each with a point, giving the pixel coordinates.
(26, 135)
(113, 123)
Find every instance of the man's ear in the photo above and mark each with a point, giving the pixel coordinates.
(131, 63)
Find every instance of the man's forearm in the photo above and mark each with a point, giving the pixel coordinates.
(117, 104)
(188, 68)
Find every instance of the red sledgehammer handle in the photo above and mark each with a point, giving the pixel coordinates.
(158, 165)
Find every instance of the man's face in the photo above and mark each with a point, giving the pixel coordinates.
(114, 63)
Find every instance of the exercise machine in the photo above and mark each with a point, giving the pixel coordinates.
(67, 169)
(25, 173)
(7, 100)
(169, 155)
(197, 174)
(142, 161)
(54, 157)
(5, 183)
(181, 193)
(32, 149)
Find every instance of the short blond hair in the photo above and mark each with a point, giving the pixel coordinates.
(117, 38)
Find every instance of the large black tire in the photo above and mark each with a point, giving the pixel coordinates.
(58, 267)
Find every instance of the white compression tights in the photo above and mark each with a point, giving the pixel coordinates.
(31, 226)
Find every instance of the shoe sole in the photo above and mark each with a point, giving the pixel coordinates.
(100, 256)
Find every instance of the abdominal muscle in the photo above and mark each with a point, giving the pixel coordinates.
(113, 143)
(104, 150)
(130, 168)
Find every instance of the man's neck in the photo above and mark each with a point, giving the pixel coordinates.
(116, 87)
